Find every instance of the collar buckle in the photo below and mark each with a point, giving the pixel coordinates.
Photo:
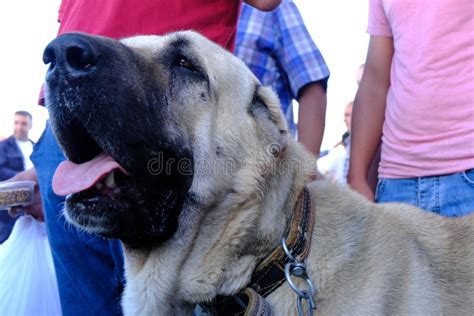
(296, 268)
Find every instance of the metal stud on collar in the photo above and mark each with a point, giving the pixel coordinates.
(298, 269)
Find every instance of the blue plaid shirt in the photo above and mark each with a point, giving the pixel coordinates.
(278, 49)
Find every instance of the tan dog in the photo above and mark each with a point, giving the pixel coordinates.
(209, 181)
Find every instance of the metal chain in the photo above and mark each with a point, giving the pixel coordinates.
(298, 269)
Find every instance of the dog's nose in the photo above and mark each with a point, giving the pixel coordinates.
(76, 53)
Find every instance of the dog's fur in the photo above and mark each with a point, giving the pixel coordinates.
(189, 236)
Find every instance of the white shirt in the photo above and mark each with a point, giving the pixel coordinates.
(26, 148)
(332, 165)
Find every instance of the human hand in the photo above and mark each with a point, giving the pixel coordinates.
(36, 208)
(361, 186)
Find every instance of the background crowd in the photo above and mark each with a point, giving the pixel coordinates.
(409, 135)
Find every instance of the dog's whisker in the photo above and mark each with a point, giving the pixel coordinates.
(88, 120)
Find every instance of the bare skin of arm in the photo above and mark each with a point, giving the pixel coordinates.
(311, 117)
(369, 113)
(264, 5)
(35, 209)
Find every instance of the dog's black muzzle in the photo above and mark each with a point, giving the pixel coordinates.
(103, 97)
(94, 91)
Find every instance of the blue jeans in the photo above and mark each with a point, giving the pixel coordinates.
(448, 195)
(89, 269)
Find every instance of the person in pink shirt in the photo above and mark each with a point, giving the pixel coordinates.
(416, 99)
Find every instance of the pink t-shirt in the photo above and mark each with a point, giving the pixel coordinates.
(429, 118)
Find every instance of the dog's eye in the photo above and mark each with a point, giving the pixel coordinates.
(185, 63)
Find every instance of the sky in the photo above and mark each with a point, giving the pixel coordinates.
(27, 26)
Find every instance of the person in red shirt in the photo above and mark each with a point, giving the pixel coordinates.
(89, 269)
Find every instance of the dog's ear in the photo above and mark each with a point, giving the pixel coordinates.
(265, 108)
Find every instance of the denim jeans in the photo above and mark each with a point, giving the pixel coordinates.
(448, 195)
(89, 269)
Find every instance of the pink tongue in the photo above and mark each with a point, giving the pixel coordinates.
(72, 178)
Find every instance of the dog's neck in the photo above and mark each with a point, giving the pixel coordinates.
(215, 250)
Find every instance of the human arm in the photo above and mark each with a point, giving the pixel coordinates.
(311, 116)
(264, 5)
(35, 209)
(369, 112)
(302, 65)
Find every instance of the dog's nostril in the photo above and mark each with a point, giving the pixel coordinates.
(80, 58)
(49, 56)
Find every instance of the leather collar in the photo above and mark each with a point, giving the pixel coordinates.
(270, 272)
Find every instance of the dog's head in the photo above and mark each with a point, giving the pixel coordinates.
(151, 125)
